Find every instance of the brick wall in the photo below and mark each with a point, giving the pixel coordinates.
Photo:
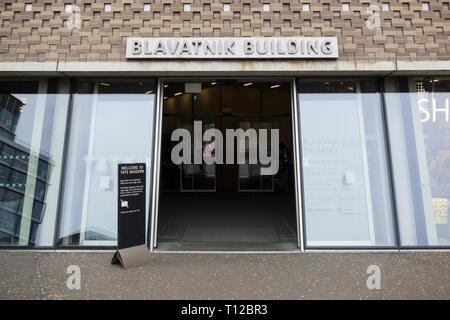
(43, 34)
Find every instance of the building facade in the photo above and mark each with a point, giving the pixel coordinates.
(351, 100)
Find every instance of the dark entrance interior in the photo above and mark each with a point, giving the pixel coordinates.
(226, 206)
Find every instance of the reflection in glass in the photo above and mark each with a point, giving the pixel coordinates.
(32, 127)
(420, 133)
(347, 198)
(112, 123)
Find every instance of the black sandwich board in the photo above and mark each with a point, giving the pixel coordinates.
(131, 196)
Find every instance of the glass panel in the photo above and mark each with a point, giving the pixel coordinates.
(112, 122)
(241, 99)
(206, 100)
(199, 177)
(32, 131)
(347, 197)
(418, 117)
(250, 177)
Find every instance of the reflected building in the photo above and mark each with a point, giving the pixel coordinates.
(14, 176)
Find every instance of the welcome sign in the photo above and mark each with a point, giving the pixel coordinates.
(232, 48)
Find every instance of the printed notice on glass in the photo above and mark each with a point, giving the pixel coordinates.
(131, 204)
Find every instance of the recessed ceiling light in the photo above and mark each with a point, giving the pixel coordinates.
(213, 83)
(247, 84)
(178, 93)
(275, 86)
(105, 84)
(166, 85)
(148, 92)
(165, 98)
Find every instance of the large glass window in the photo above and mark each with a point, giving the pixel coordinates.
(33, 118)
(111, 123)
(418, 117)
(346, 186)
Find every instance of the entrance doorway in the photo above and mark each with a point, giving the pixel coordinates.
(224, 203)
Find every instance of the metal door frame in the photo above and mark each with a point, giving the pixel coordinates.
(154, 208)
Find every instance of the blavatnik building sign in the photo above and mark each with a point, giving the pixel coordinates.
(232, 48)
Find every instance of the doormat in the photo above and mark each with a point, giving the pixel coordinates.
(132, 257)
(231, 234)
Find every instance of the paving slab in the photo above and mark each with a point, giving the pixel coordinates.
(19, 276)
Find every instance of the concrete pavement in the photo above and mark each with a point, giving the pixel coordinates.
(315, 275)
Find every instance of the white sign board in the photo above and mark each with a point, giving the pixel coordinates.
(232, 48)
